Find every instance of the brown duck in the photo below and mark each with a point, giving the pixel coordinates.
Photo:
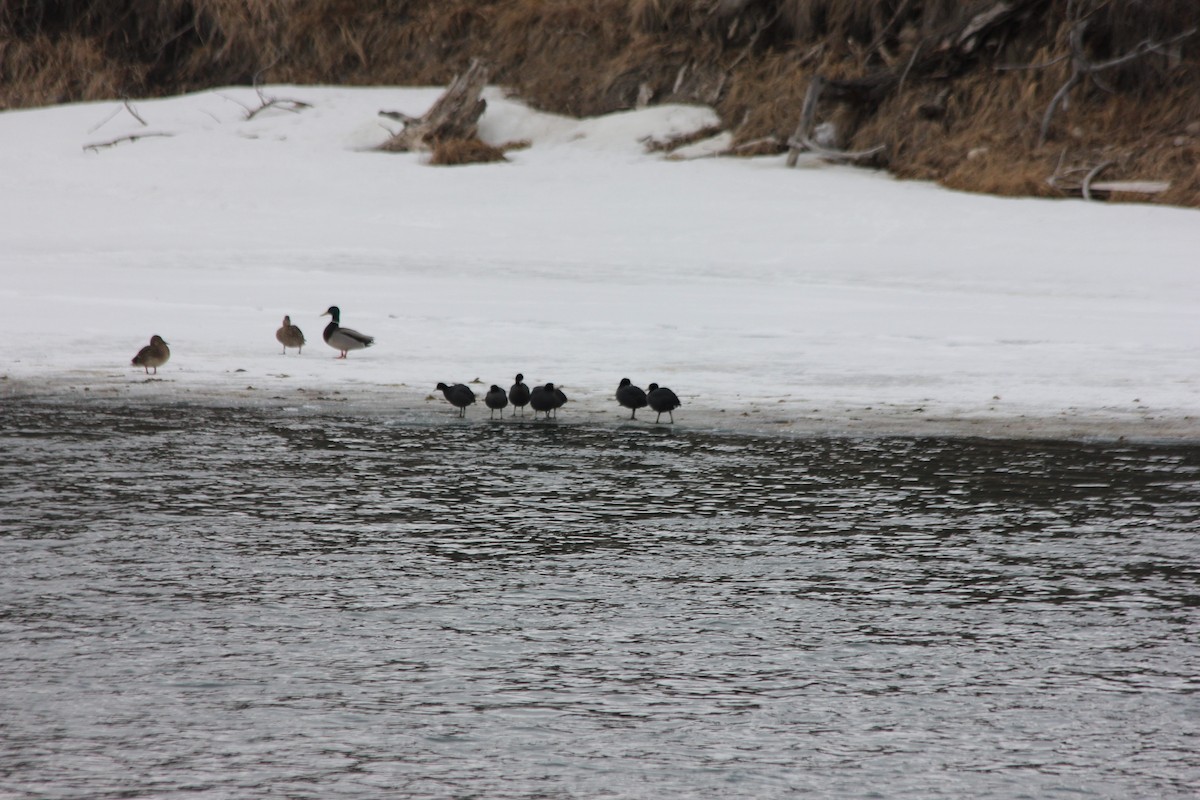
(290, 336)
(153, 355)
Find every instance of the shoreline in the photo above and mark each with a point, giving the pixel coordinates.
(793, 418)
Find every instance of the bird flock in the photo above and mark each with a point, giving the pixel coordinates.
(545, 399)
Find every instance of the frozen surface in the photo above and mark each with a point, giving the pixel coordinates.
(819, 299)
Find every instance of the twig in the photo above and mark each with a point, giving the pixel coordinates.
(294, 106)
(133, 137)
(134, 114)
(287, 104)
(258, 75)
(104, 121)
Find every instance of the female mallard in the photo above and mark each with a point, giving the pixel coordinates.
(153, 355)
(631, 396)
(343, 339)
(459, 395)
(290, 336)
(496, 400)
(662, 400)
(518, 395)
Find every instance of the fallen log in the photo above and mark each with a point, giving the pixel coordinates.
(1134, 187)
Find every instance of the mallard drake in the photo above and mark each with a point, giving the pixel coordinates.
(662, 400)
(153, 355)
(290, 336)
(343, 339)
(631, 396)
(518, 394)
(459, 395)
(496, 400)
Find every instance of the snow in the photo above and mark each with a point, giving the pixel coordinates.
(821, 299)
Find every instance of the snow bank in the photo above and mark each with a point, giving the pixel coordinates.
(810, 300)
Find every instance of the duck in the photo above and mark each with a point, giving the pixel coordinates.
(631, 396)
(459, 395)
(545, 399)
(518, 394)
(496, 400)
(290, 336)
(153, 355)
(662, 400)
(343, 339)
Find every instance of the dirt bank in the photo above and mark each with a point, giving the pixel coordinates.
(985, 95)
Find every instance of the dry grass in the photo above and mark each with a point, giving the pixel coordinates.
(454, 152)
(750, 59)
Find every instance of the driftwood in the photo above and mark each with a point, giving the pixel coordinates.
(455, 115)
(947, 52)
(1068, 181)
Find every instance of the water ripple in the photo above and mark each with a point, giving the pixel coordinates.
(213, 602)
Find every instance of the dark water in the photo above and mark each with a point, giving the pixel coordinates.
(224, 603)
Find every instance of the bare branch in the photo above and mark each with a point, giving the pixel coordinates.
(1082, 67)
(104, 121)
(294, 106)
(1140, 50)
(133, 137)
(1059, 96)
(265, 101)
(134, 114)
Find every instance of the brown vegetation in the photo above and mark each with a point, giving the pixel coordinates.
(452, 152)
(1058, 82)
